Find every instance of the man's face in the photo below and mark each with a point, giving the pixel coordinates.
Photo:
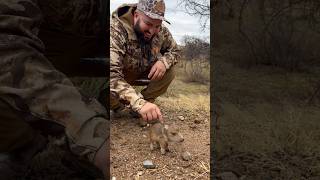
(146, 27)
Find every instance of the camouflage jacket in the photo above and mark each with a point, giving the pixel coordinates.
(126, 54)
(28, 80)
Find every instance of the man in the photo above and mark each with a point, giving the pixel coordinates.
(36, 37)
(140, 47)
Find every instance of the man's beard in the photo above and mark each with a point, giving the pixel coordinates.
(145, 45)
(140, 34)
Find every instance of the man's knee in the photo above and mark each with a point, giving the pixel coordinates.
(157, 88)
(169, 75)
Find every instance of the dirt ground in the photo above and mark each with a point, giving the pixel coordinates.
(130, 141)
(130, 147)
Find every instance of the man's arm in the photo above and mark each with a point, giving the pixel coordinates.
(118, 85)
(29, 82)
(169, 49)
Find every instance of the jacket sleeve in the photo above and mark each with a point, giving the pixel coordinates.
(30, 83)
(169, 50)
(118, 86)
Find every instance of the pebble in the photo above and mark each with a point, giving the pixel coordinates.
(193, 126)
(197, 121)
(148, 164)
(139, 173)
(181, 118)
(186, 156)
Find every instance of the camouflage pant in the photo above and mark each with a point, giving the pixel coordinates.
(36, 37)
(153, 90)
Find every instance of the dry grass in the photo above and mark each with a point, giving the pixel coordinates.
(190, 103)
(265, 116)
(184, 95)
(190, 96)
(197, 71)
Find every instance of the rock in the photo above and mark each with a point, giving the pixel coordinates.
(144, 136)
(148, 164)
(227, 176)
(113, 178)
(192, 126)
(181, 118)
(186, 156)
(197, 121)
(139, 173)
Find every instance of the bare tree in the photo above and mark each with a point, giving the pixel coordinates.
(195, 48)
(198, 8)
(279, 39)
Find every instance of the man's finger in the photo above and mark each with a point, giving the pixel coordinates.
(154, 115)
(159, 115)
(144, 117)
(155, 75)
(149, 115)
(161, 75)
(152, 71)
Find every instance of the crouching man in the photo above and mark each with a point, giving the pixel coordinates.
(140, 48)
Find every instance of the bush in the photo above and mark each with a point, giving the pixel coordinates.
(197, 71)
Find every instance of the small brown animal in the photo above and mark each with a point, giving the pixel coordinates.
(162, 134)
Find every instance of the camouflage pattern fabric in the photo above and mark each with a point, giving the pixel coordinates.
(30, 83)
(155, 9)
(127, 57)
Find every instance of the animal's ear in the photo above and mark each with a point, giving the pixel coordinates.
(166, 127)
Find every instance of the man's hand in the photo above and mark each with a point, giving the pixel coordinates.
(157, 71)
(150, 112)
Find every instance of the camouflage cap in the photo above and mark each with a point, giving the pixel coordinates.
(155, 9)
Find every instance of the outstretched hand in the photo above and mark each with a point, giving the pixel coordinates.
(150, 112)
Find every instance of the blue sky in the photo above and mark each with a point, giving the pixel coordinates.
(181, 23)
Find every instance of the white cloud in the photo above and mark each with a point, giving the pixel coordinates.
(181, 23)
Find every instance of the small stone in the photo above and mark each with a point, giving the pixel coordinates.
(113, 178)
(139, 173)
(193, 126)
(197, 121)
(148, 164)
(186, 156)
(144, 136)
(181, 118)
